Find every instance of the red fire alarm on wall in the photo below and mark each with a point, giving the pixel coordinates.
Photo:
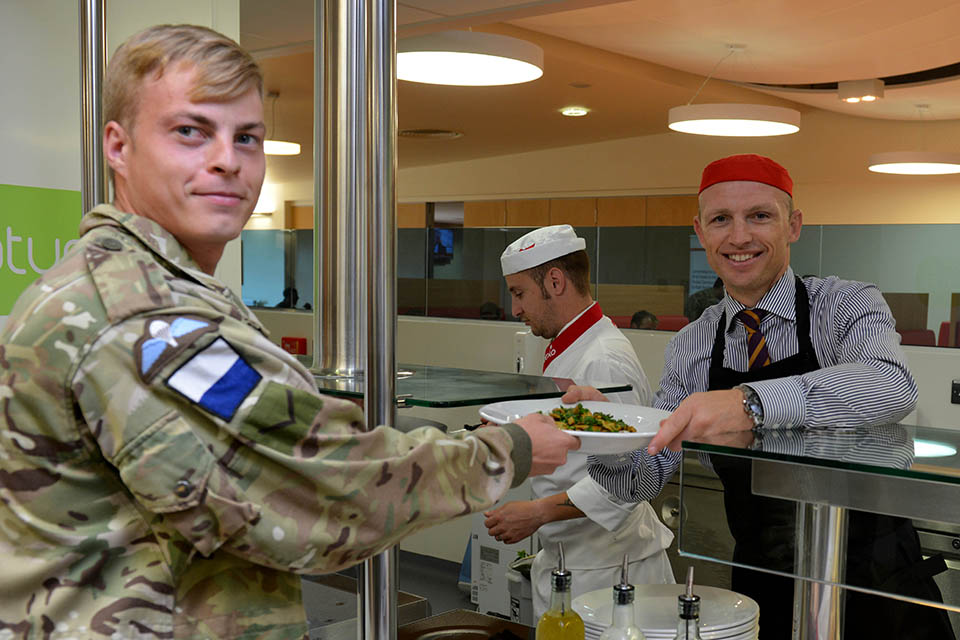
(296, 346)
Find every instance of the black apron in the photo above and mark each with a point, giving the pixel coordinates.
(882, 551)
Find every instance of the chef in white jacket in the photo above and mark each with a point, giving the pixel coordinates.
(548, 274)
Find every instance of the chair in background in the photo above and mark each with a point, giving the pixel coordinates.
(921, 337)
(943, 338)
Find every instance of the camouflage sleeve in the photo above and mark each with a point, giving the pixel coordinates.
(224, 443)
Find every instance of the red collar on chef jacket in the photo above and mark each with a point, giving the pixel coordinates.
(570, 335)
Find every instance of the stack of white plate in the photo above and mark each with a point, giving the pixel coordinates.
(724, 615)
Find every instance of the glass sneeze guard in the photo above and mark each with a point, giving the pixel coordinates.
(884, 478)
(444, 387)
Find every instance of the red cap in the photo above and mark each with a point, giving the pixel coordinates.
(747, 166)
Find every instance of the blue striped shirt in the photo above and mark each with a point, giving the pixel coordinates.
(863, 380)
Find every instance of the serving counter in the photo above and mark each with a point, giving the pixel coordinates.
(840, 489)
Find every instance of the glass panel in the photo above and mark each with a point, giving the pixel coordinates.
(412, 272)
(303, 267)
(455, 272)
(264, 256)
(646, 272)
(429, 386)
(888, 482)
(879, 254)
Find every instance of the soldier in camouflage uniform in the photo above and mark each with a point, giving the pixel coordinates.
(165, 469)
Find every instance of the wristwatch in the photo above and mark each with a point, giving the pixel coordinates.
(751, 405)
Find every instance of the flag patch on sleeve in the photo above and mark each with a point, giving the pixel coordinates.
(217, 379)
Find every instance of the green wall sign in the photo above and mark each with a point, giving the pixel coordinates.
(37, 227)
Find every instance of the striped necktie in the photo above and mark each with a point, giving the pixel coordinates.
(756, 343)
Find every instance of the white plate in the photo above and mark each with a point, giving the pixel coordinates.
(738, 633)
(747, 635)
(646, 420)
(655, 607)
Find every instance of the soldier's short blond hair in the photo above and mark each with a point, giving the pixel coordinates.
(224, 70)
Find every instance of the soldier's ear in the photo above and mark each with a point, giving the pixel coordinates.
(116, 144)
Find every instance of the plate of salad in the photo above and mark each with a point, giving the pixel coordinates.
(602, 427)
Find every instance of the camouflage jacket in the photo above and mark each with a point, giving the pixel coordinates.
(166, 470)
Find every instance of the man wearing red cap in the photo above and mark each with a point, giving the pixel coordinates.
(777, 352)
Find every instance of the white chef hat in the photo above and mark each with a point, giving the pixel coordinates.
(539, 246)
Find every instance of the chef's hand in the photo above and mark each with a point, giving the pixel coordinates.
(513, 521)
(581, 393)
(699, 415)
(549, 444)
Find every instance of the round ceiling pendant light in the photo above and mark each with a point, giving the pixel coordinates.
(468, 58)
(272, 146)
(280, 148)
(743, 120)
(915, 163)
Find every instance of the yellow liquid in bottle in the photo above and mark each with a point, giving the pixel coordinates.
(555, 624)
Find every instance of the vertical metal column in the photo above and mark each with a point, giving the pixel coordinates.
(821, 553)
(378, 600)
(355, 233)
(93, 57)
(340, 185)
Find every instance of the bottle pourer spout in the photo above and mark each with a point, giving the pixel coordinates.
(623, 592)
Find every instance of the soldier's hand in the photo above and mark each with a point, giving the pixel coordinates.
(550, 444)
(513, 521)
(580, 393)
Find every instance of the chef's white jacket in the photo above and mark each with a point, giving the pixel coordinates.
(594, 546)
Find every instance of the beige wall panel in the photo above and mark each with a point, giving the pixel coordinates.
(628, 211)
(485, 213)
(528, 213)
(301, 217)
(577, 212)
(909, 309)
(626, 299)
(412, 215)
(671, 211)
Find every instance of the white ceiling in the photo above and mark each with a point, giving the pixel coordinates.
(639, 58)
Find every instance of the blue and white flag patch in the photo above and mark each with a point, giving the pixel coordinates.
(217, 379)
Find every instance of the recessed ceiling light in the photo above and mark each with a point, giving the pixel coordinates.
(574, 112)
(854, 91)
(468, 58)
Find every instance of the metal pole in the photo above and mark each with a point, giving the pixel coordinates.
(340, 178)
(320, 166)
(821, 554)
(93, 56)
(380, 574)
